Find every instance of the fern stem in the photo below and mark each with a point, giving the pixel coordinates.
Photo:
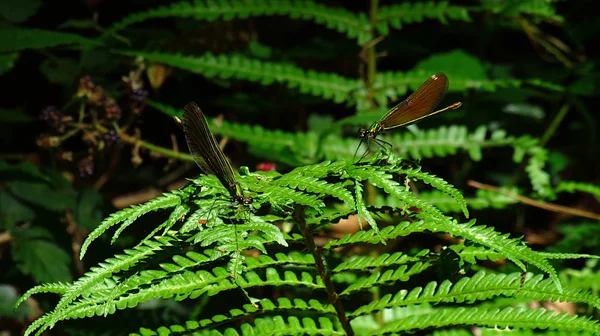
(371, 59)
(538, 204)
(331, 293)
(554, 124)
(157, 149)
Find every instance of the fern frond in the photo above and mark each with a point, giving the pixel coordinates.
(391, 276)
(492, 318)
(540, 179)
(15, 39)
(326, 85)
(106, 269)
(266, 306)
(286, 196)
(439, 184)
(384, 260)
(398, 83)
(544, 10)
(384, 180)
(372, 237)
(483, 199)
(407, 13)
(479, 287)
(513, 249)
(440, 142)
(573, 186)
(292, 259)
(261, 326)
(129, 215)
(315, 185)
(353, 25)
(363, 212)
(56, 288)
(472, 254)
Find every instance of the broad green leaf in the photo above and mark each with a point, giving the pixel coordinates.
(7, 61)
(15, 39)
(14, 116)
(41, 194)
(43, 260)
(88, 212)
(19, 10)
(12, 211)
(8, 298)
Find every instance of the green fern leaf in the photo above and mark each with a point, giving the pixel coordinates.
(406, 13)
(359, 263)
(439, 184)
(371, 237)
(15, 39)
(129, 215)
(328, 86)
(391, 276)
(294, 258)
(492, 318)
(572, 186)
(363, 212)
(343, 21)
(512, 249)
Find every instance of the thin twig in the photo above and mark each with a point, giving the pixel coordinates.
(323, 272)
(532, 202)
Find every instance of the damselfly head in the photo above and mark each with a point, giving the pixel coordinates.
(362, 132)
(244, 200)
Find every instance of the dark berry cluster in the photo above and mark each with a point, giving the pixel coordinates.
(94, 94)
(137, 98)
(111, 137)
(86, 166)
(47, 141)
(54, 117)
(113, 111)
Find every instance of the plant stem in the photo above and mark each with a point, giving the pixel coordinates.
(323, 272)
(554, 124)
(157, 149)
(371, 59)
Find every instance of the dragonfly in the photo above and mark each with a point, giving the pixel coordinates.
(208, 155)
(418, 106)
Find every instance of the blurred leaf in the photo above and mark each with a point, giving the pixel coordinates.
(318, 123)
(78, 24)
(259, 50)
(19, 10)
(157, 74)
(7, 61)
(97, 61)
(62, 71)
(43, 260)
(12, 211)
(14, 116)
(557, 162)
(8, 298)
(21, 170)
(525, 110)
(41, 194)
(14, 39)
(456, 64)
(585, 86)
(88, 212)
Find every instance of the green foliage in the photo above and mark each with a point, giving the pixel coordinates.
(16, 39)
(328, 86)
(407, 13)
(573, 186)
(343, 21)
(291, 243)
(141, 274)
